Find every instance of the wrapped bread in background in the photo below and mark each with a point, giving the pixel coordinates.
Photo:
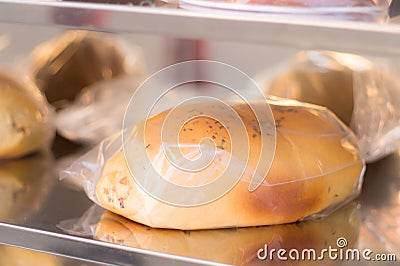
(62, 67)
(26, 120)
(319, 79)
(365, 95)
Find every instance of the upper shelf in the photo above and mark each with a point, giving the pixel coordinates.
(168, 20)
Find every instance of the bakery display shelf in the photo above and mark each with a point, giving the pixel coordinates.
(168, 20)
(40, 229)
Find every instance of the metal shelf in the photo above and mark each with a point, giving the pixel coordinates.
(168, 20)
(87, 249)
(38, 229)
(51, 202)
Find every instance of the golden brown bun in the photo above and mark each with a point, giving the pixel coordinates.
(65, 65)
(25, 119)
(235, 246)
(315, 167)
(322, 78)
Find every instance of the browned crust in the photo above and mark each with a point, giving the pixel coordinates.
(303, 135)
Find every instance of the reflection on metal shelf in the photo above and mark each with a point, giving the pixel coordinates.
(38, 230)
(279, 30)
(13, 256)
(381, 202)
(235, 246)
(377, 229)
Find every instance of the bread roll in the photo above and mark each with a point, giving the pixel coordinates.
(76, 59)
(322, 78)
(236, 246)
(25, 119)
(316, 167)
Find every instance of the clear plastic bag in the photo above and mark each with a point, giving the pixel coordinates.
(357, 10)
(365, 95)
(98, 110)
(376, 116)
(26, 119)
(316, 170)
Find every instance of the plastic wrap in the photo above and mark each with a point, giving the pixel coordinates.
(228, 246)
(360, 10)
(316, 169)
(365, 95)
(26, 120)
(62, 67)
(98, 111)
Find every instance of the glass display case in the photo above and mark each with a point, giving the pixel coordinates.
(167, 34)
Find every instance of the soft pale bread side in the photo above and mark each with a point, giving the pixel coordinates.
(315, 167)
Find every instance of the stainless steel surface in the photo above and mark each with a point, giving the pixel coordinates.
(54, 242)
(372, 38)
(39, 231)
(379, 228)
(13, 256)
(381, 204)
